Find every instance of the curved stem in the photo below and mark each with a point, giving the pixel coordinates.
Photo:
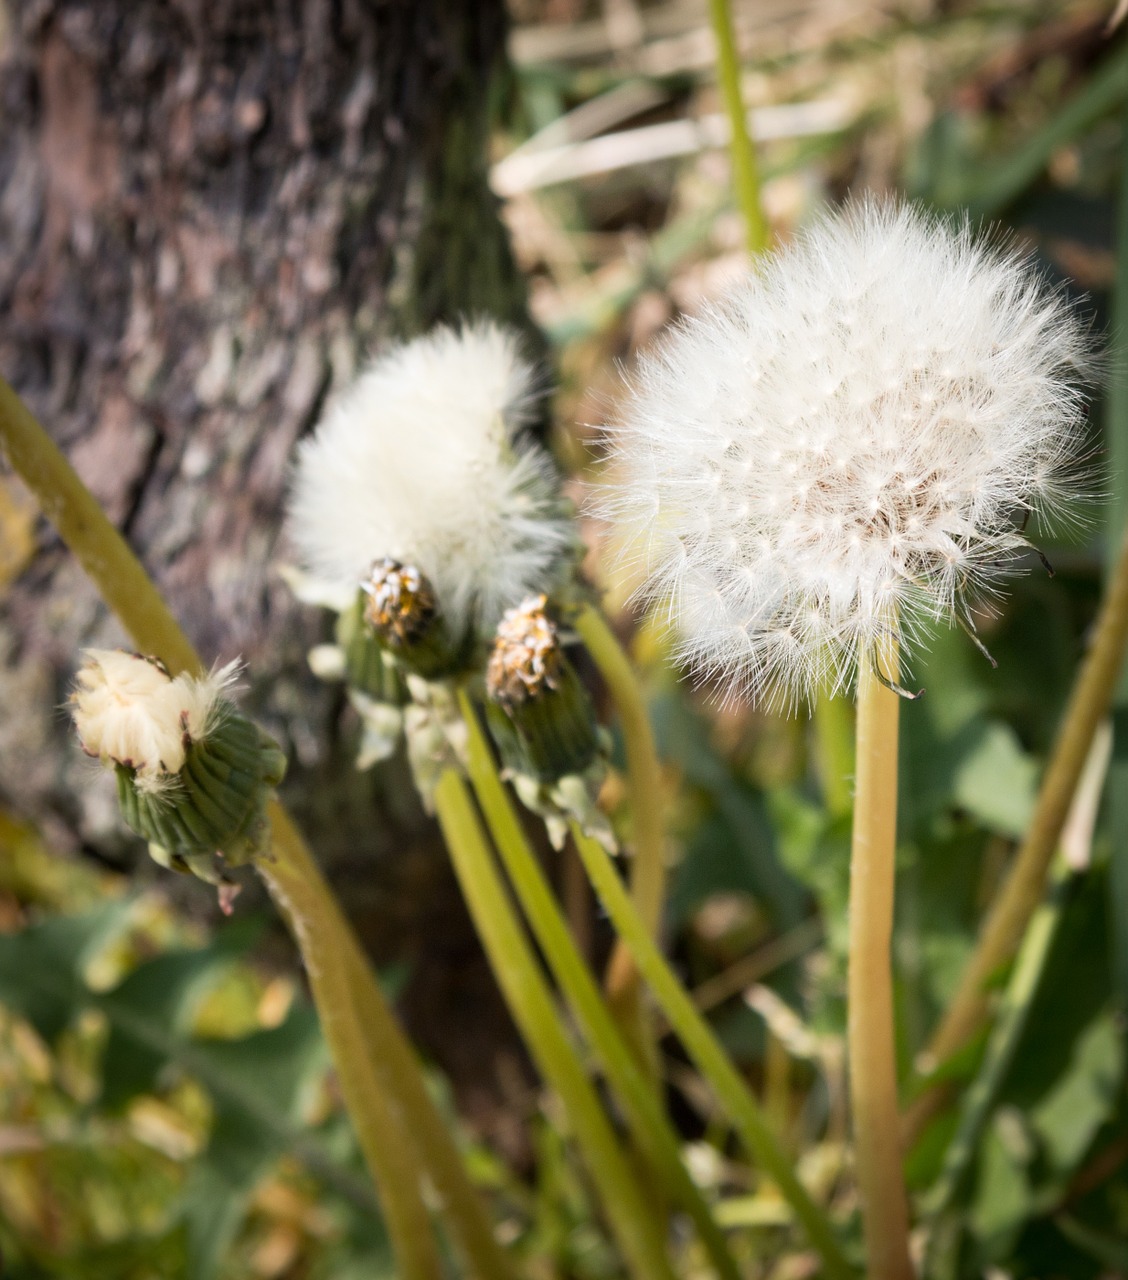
(706, 1051)
(1025, 884)
(367, 1085)
(746, 175)
(458, 1203)
(644, 778)
(649, 1123)
(870, 1037)
(355, 1004)
(530, 1001)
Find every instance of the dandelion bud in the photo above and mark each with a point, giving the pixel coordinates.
(193, 774)
(402, 611)
(540, 713)
(847, 447)
(543, 722)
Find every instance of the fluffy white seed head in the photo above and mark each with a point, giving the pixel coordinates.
(128, 710)
(847, 447)
(421, 461)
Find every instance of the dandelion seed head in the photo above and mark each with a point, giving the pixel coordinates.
(422, 461)
(128, 710)
(845, 447)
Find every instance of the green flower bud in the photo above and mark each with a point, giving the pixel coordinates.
(193, 774)
(539, 713)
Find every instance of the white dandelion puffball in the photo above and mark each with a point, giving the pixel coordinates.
(421, 461)
(128, 710)
(848, 447)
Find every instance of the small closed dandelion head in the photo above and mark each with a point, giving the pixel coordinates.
(526, 657)
(848, 447)
(129, 710)
(422, 462)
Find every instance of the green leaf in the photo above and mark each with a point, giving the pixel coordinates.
(256, 1084)
(1002, 1194)
(1068, 1118)
(42, 968)
(734, 849)
(156, 1003)
(995, 780)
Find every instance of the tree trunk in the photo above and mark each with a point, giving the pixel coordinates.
(209, 211)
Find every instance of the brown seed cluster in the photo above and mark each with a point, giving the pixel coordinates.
(401, 603)
(525, 659)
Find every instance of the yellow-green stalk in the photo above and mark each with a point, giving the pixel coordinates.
(746, 175)
(649, 1124)
(644, 780)
(629, 1212)
(705, 1049)
(870, 1039)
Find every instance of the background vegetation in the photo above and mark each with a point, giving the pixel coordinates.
(165, 1103)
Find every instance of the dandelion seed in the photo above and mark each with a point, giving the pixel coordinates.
(422, 462)
(862, 501)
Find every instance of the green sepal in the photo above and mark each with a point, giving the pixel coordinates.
(551, 735)
(369, 667)
(435, 653)
(215, 805)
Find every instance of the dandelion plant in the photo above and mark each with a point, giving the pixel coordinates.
(840, 454)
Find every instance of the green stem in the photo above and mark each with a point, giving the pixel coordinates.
(356, 1003)
(870, 1032)
(746, 174)
(368, 1085)
(706, 1051)
(1005, 1037)
(1025, 884)
(644, 779)
(458, 1203)
(531, 1004)
(649, 1123)
(834, 744)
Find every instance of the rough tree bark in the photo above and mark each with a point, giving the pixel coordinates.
(209, 209)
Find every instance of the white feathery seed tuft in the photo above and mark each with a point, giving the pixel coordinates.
(128, 710)
(847, 447)
(421, 461)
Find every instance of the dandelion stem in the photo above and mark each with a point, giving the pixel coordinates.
(746, 175)
(459, 1203)
(530, 1001)
(870, 1042)
(366, 1083)
(834, 747)
(1025, 884)
(384, 1090)
(644, 778)
(649, 1123)
(706, 1051)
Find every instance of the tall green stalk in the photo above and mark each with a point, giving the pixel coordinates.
(746, 175)
(644, 781)
(629, 1213)
(383, 1087)
(708, 1054)
(870, 1033)
(649, 1124)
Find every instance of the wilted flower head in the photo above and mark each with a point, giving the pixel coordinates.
(193, 775)
(129, 710)
(848, 446)
(421, 462)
